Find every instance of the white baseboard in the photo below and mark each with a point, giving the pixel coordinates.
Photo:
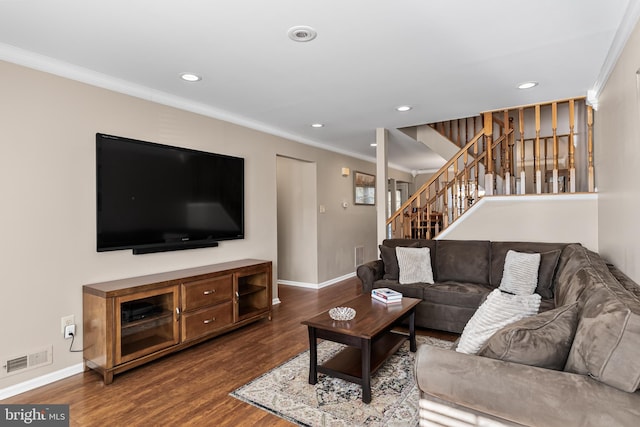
(316, 285)
(13, 390)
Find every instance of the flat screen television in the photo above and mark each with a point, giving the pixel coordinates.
(155, 198)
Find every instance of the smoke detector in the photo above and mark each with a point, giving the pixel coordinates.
(302, 33)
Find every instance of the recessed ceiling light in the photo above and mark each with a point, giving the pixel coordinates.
(302, 33)
(190, 77)
(527, 85)
(403, 108)
(374, 144)
(317, 125)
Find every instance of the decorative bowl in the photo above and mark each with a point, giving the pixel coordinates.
(342, 313)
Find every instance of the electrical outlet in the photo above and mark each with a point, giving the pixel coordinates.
(69, 331)
(67, 321)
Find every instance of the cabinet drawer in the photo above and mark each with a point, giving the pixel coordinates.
(205, 321)
(201, 293)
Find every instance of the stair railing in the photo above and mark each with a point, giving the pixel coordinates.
(489, 163)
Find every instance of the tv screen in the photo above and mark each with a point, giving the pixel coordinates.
(153, 197)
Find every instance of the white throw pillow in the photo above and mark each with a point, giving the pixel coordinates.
(520, 274)
(414, 265)
(496, 312)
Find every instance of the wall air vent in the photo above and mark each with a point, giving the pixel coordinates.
(17, 364)
(25, 362)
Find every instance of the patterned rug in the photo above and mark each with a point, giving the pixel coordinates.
(285, 391)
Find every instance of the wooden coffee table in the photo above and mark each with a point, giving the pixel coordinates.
(369, 338)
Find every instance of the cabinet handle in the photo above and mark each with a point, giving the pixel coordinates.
(209, 292)
(207, 321)
(237, 295)
(177, 313)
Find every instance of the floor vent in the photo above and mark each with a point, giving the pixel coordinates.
(359, 255)
(27, 361)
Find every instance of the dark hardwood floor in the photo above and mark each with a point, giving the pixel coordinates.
(192, 387)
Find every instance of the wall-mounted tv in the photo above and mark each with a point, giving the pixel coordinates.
(155, 198)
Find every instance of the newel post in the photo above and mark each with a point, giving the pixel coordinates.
(537, 157)
(572, 164)
(592, 186)
(522, 148)
(488, 136)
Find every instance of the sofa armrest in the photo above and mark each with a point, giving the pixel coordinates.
(520, 393)
(369, 273)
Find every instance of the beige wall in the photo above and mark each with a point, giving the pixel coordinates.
(539, 218)
(617, 157)
(47, 185)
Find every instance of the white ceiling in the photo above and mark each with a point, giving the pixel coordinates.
(447, 59)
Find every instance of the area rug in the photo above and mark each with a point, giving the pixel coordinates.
(286, 392)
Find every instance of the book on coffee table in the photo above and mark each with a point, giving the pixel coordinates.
(386, 295)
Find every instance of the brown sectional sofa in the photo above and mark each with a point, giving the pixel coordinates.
(590, 327)
(464, 273)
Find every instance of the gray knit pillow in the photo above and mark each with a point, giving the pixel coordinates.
(414, 265)
(520, 275)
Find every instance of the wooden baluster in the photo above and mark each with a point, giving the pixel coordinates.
(456, 189)
(445, 199)
(436, 191)
(536, 159)
(545, 156)
(458, 126)
(512, 154)
(475, 124)
(592, 186)
(572, 166)
(466, 130)
(506, 161)
(477, 164)
(450, 135)
(427, 211)
(466, 180)
(554, 130)
(522, 154)
(488, 136)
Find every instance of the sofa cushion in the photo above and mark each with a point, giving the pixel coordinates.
(457, 294)
(625, 281)
(463, 261)
(414, 265)
(390, 261)
(607, 339)
(549, 255)
(543, 340)
(573, 259)
(411, 290)
(388, 254)
(520, 275)
(497, 311)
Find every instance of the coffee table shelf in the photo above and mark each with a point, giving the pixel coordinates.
(348, 362)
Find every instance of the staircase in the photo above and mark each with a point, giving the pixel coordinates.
(534, 149)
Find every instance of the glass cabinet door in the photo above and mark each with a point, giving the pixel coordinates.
(146, 322)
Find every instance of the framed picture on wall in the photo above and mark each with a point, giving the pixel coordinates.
(364, 186)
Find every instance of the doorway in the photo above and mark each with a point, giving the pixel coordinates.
(297, 221)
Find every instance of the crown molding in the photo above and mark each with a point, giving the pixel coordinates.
(84, 75)
(626, 27)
